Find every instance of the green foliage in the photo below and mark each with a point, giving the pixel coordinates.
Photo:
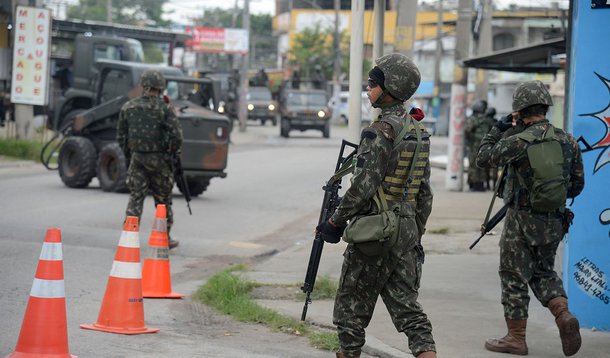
(315, 46)
(21, 149)
(152, 53)
(132, 12)
(260, 24)
(229, 293)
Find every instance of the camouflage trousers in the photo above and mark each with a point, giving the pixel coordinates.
(527, 258)
(475, 174)
(150, 172)
(396, 277)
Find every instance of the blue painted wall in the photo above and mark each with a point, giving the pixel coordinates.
(587, 251)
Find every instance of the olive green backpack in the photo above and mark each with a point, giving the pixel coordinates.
(548, 191)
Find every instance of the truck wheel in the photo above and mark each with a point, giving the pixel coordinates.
(196, 186)
(274, 121)
(284, 128)
(112, 169)
(326, 130)
(76, 162)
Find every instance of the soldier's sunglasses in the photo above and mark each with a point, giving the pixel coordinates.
(372, 83)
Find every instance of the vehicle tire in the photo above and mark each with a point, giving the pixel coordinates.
(263, 121)
(76, 162)
(274, 121)
(284, 128)
(326, 130)
(112, 169)
(196, 186)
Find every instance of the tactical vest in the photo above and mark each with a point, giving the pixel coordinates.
(398, 185)
(147, 126)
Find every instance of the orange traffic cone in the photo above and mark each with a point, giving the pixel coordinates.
(44, 332)
(156, 278)
(122, 309)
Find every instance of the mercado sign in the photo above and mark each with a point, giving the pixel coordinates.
(31, 56)
(208, 39)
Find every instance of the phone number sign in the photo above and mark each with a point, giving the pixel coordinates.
(31, 55)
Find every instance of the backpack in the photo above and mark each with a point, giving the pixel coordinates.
(548, 190)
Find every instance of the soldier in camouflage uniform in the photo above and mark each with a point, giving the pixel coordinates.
(395, 274)
(530, 238)
(476, 128)
(149, 134)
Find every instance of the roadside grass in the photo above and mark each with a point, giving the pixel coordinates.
(21, 149)
(229, 293)
(439, 231)
(326, 288)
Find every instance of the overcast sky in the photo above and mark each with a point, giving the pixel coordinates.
(185, 9)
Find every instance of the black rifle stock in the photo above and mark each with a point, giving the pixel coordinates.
(493, 221)
(329, 204)
(181, 180)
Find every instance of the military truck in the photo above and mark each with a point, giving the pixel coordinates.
(304, 109)
(82, 70)
(88, 147)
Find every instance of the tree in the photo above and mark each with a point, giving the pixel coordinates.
(314, 46)
(131, 12)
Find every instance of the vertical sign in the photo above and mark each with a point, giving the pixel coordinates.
(31, 55)
(586, 262)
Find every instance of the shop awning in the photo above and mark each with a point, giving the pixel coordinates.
(536, 58)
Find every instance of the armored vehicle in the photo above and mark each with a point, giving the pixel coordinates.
(88, 147)
(304, 109)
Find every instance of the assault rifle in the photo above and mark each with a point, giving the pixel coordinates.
(487, 227)
(329, 204)
(181, 180)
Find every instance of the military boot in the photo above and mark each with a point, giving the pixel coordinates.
(513, 342)
(343, 355)
(569, 328)
(427, 355)
(173, 243)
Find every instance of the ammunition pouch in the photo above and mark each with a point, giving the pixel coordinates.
(373, 234)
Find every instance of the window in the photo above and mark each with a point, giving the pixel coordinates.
(503, 41)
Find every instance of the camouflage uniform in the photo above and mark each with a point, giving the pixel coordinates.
(477, 126)
(149, 133)
(395, 275)
(530, 239)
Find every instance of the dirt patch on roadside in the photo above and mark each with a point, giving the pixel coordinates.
(276, 292)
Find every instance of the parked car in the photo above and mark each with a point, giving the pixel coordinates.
(304, 109)
(261, 106)
(343, 108)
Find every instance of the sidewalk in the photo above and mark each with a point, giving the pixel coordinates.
(460, 289)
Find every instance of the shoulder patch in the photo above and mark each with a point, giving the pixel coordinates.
(385, 128)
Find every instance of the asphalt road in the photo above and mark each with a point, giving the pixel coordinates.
(271, 183)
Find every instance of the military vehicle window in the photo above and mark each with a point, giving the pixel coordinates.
(173, 90)
(109, 52)
(115, 83)
(306, 99)
(136, 53)
(259, 95)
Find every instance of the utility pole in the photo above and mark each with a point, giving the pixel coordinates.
(483, 46)
(378, 42)
(454, 172)
(406, 18)
(436, 100)
(337, 61)
(355, 70)
(109, 11)
(242, 111)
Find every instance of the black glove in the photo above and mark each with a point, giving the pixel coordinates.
(505, 123)
(329, 232)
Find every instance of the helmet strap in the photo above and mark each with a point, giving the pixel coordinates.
(377, 103)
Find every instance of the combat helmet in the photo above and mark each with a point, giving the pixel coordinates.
(152, 79)
(531, 93)
(401, 75)
(479, 106)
